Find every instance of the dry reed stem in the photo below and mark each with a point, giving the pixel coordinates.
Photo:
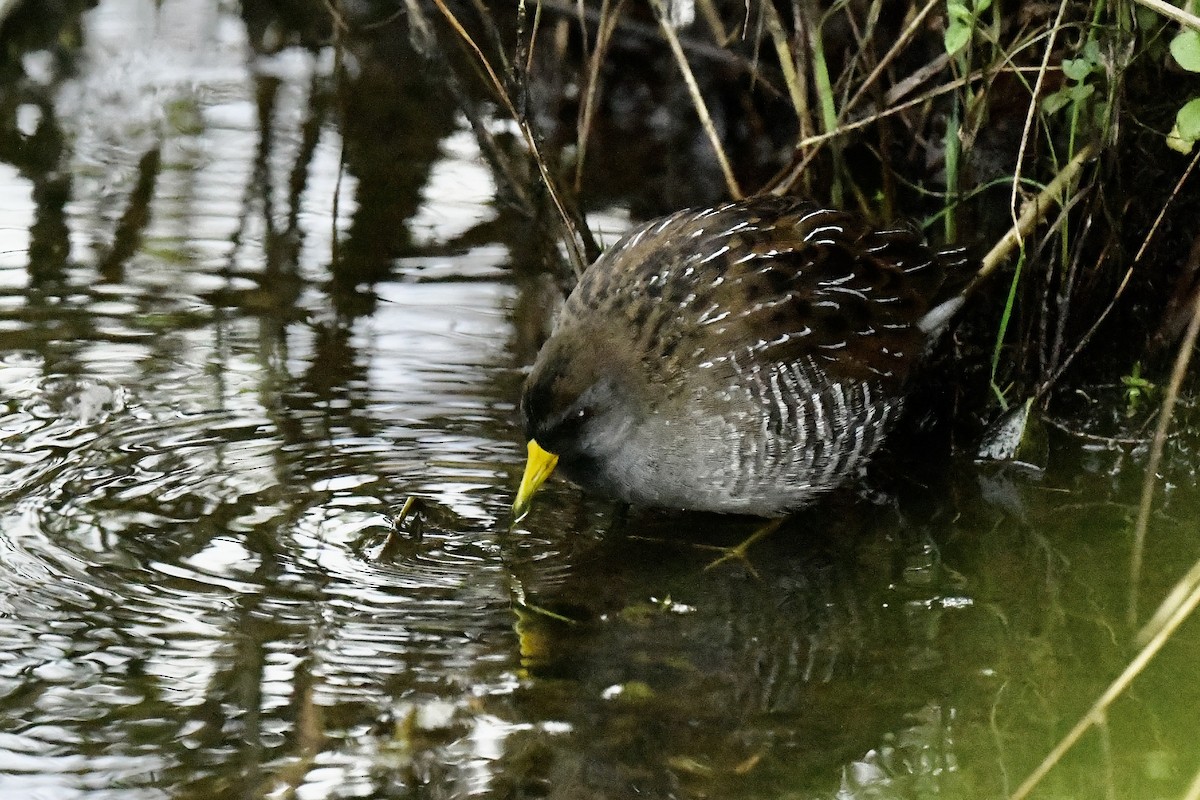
(706, 122)
(787, 64)
(424, 40)
(1096, 714)
(1172, 12)
(1180, 602)
(574, 250)
(716, 25)
(1033, 211)
(650, 32)
(533, 34)
(608, 23)
(491, 35)
(788, 177)
(901, 88)
(583, 33)
(335, 16)
(1171, 604)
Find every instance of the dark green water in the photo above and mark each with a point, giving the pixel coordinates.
(208, 429)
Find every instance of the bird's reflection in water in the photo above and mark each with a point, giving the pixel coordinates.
(657, 678)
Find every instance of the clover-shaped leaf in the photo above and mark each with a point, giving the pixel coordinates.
(1186, 49)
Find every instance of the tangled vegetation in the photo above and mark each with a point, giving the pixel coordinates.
(958, 115)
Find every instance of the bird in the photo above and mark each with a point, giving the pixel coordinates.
(744, 358)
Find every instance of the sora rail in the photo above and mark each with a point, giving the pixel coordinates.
(743, 358)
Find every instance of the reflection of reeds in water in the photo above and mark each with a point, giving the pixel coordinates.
(1173, 611)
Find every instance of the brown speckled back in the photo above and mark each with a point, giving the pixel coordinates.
(776, 278)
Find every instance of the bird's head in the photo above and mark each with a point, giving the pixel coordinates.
(580, 405)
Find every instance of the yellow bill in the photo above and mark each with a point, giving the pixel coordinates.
(538, 467)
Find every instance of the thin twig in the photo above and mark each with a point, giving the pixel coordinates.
(901, 88)
(706, 122)
(335, 16)
(694, 47)
(1087, 337)
(905, 36)
(574, 249)
(533, 34)
(787, 62)
(784, 180)
(492, 36)
(1033, 104)
(422, 38)
(712, 18)
(865, 36)
(1182, 359)
(583, 34)
(382, 23)
(608, 23)
(1171, 603)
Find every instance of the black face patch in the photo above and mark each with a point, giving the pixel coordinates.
(550, 404)
(535, 404)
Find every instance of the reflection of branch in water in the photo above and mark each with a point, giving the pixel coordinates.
(425, 44)
(319, 95)
(279, 283)
(133, 223)
(39, 156)
(394, 120)
(273, 292)
(308, 734)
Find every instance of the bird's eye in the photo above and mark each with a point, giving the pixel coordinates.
(565, 434)
(575, 419)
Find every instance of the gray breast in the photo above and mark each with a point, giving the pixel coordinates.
(766, 443)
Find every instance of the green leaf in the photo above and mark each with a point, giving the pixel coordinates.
(957, 37)
(1178, 143)
(1076, 68)
(1052, 103)
(1088, 62)
(1186, 49)
(1075, 93)
(1081, 91)
(1183, 136)
(958, 26)
(1188, 119)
